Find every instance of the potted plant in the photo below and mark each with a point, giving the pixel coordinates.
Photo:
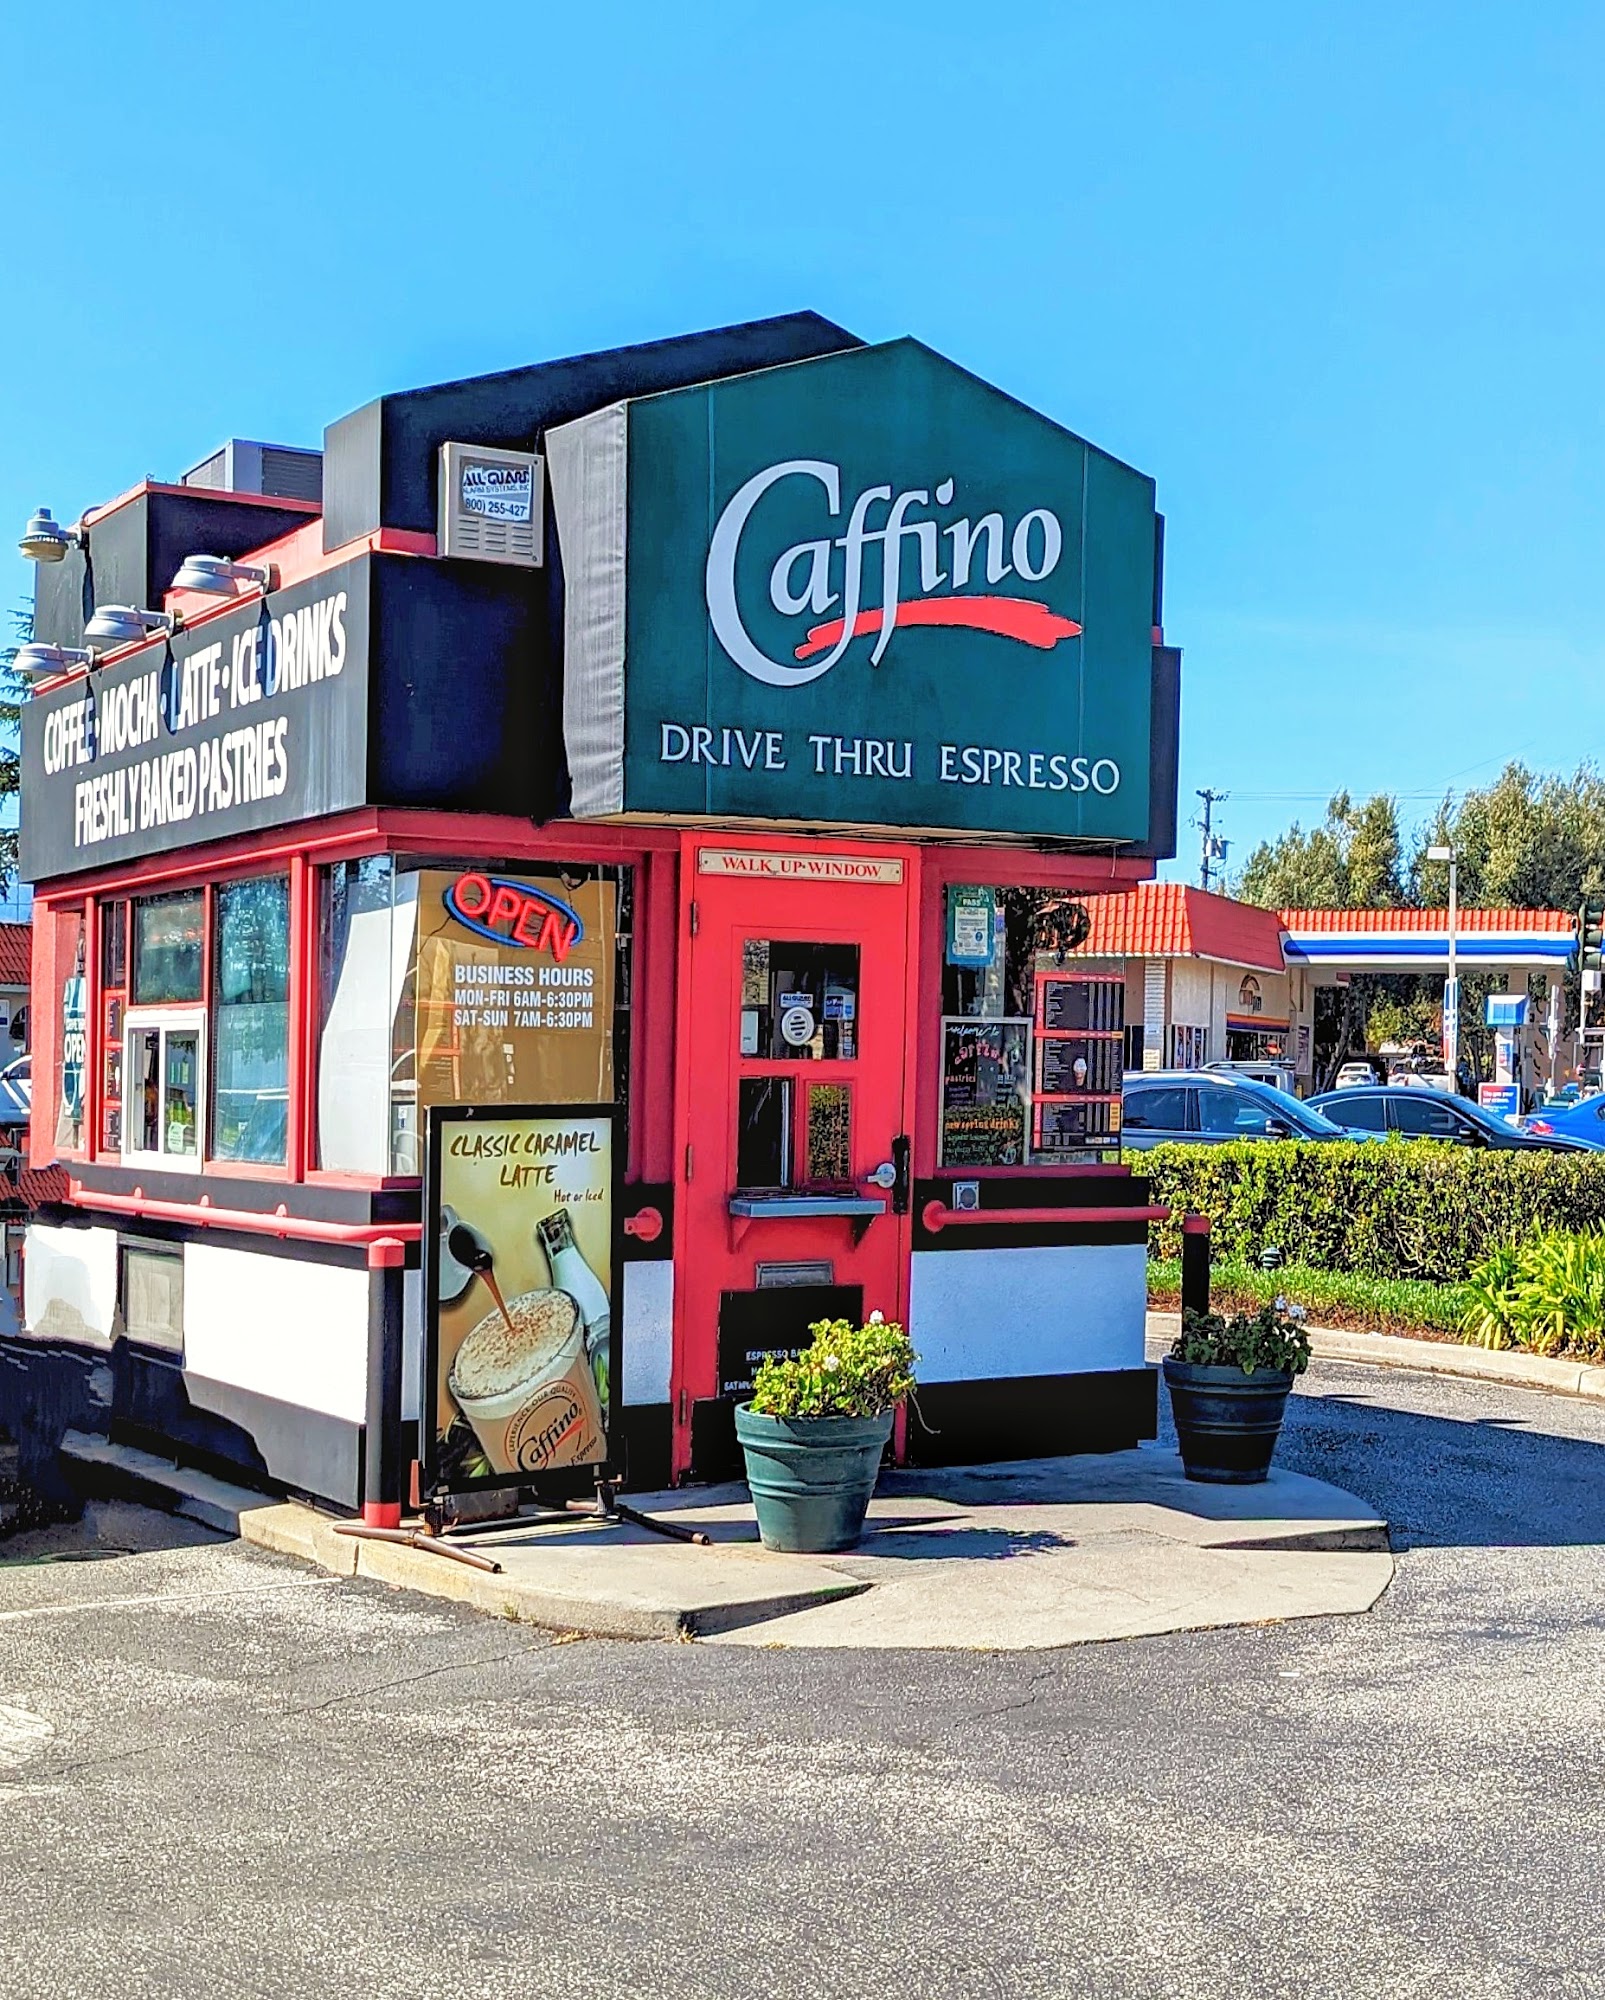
(1229, 1381)
(815, 1430)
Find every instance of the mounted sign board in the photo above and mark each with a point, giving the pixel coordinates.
(521, 1370)
(805, 867)
(490, 506)
(866, 589)
(255, 718)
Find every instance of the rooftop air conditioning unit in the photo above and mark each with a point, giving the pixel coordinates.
(492, 505)
(276, 471)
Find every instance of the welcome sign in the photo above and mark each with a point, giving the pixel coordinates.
(866, 589)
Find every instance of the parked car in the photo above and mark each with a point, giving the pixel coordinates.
(1278, 1075)
(1356, 1076)
(1208, 1107)
(1579, 1124)
(1413, 1113)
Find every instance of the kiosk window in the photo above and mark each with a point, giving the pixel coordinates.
(169, 938)
(1033, 1042)
(162, 1074)
(251, 1021)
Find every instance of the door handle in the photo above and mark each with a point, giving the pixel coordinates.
(900, 1187)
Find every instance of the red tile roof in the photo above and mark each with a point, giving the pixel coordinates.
(36, 1185)
(1408, 923)
(16, 951)
(1172, 920)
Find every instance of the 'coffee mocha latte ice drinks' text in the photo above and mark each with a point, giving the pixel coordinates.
(527, 1389)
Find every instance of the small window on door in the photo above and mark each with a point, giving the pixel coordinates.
(799, 1002)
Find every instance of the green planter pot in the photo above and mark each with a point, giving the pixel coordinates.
(1227, 1423)
(811, 1477)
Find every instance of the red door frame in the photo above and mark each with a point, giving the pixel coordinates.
(694, 1369)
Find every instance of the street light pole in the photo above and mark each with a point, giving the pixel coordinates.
(1451, 991)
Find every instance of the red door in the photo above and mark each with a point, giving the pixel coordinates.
(795, 1086)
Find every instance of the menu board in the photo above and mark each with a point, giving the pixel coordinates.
(1069, 1065)
(986, 1070)
(1080, 1052)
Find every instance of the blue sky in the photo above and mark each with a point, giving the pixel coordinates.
(1332, 275)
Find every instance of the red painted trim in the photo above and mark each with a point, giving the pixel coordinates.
(203, 1110)
(1195, 1225)
(936, 1216)
(91, 515)
(302, 1007)
(94, 1030)
(291, 1228)
(381, 1513)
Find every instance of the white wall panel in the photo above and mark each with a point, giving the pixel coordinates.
(648, 1330)
(69, 1283)
(977, 1315)
(295, 1331)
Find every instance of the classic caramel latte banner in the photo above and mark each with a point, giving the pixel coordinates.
(520, 1272)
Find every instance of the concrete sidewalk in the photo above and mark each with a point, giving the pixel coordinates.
(1054, 1552)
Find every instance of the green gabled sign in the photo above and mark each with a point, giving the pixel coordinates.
(862, 590)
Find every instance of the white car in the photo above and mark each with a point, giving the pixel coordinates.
(1355, 1076)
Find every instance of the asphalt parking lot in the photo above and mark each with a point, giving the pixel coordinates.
(225, 1774)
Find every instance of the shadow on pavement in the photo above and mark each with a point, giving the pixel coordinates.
(106, 1530)
(1440, 1481)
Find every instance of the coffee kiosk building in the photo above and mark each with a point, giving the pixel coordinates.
(723, 730)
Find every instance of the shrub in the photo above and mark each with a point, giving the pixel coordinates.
(848, 1371)
(1269, 1338)
(1405, 1209)
(1546, 1293)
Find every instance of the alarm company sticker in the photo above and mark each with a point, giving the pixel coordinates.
(797, 1026)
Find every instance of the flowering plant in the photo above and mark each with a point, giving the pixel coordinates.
(847, 1371)
(1274, 1337)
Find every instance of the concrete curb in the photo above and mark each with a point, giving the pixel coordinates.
(1585, 1379)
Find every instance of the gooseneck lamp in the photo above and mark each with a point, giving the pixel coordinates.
(217, 576)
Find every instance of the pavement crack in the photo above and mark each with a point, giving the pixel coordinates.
(412, 1680)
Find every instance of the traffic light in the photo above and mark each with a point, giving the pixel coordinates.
(1590, 937)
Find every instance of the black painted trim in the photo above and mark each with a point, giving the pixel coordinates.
(647, 1432)
(1032, 1416)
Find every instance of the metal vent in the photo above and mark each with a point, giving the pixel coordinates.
(289, 473)
(491, 505)
(276, 471)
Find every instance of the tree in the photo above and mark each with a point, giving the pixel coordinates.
(1352, 861)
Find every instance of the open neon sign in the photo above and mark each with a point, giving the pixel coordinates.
(508, 911)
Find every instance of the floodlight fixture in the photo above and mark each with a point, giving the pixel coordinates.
(126, 625)
(37, 661)
(217, 576)
(46, 540)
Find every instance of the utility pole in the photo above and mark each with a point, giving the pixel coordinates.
(1213, 850)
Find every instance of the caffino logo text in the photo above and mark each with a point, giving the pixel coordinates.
(808, 579)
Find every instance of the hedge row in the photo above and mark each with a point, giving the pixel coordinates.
(1406, 1209)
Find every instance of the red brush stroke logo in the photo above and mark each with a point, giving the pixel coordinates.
(1022, 618)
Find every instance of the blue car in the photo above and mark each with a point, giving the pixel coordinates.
(1583, 1123)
